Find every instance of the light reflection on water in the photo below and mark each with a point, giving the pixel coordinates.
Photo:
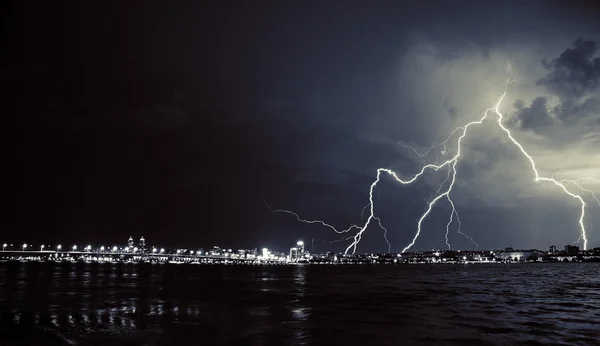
(146, 304)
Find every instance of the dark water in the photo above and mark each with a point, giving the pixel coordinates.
(145, 304)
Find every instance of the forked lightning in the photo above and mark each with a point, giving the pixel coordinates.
(445, 192)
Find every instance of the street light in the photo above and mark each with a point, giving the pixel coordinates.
(135, 249)
(101, 248)
(74, 247)
(41, 248)
(153, 250)
(24, 247)
(4, 246)
(162, 250)
(114, 249)
(89, 248)
(58, 247)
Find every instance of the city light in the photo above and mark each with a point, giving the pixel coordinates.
(266, 254)
(297, 255)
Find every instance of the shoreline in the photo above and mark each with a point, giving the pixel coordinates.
(264, 263)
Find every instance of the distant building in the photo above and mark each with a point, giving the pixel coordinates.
(552, 249)
(294, 254)
(516, 255)
(571, 250)
(300, 245)
(130, 242)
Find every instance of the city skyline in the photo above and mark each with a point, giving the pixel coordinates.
(130, 253)
(140, 247)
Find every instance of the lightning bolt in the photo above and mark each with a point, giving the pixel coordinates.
(352, 226)
(442, 144)
(438, 191)
(445, 192)
(339, 240)
(577, 183)
(323, 223)
(454, 212)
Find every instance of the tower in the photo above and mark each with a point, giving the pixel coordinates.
(293, 254)
(300, 247)
(142, 242)
(130, 241)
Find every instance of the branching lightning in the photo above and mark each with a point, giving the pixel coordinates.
(352, 226)
(577, 183)
(444, 192)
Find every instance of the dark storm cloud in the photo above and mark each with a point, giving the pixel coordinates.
(573, 78)
(296, 103)
(532, 117)
(575, 73)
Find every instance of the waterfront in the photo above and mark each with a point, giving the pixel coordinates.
(165, 304)
(144, 253)
(298, 255)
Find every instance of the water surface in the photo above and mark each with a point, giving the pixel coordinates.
(168, 304)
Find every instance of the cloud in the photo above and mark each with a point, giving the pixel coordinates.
(532, 117)
(439, 82)
(575, 73)
(568, 114)
(560, 133)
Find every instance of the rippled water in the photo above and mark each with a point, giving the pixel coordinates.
(145, 304)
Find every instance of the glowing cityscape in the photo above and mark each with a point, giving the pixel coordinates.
(133, 252)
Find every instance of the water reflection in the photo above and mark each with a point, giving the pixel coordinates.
(146, 304)
(300, 311)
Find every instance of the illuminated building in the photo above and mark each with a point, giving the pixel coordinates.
(300, 245)
(142, 244)
(294, 254)
(130, 242)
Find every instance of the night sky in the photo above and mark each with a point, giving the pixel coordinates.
(177, 120)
